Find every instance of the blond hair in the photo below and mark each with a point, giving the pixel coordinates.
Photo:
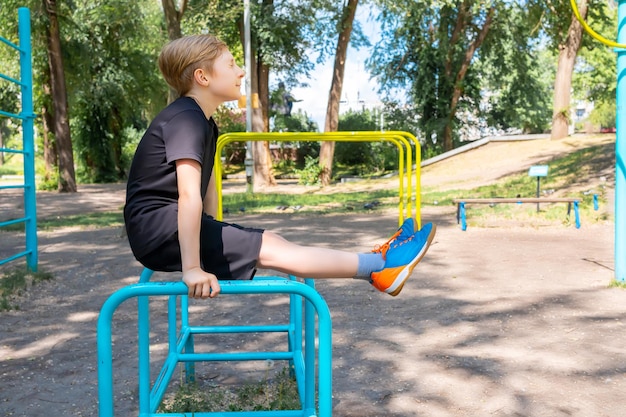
(181, 57)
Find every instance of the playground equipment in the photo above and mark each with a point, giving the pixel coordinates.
(27, 117)
(181, 346)
(181, 334)
(407, 144)
(620, 139)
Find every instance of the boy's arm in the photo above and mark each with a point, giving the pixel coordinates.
(200, 283)
(210, 199)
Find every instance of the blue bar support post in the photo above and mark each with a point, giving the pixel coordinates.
(620, 149)
(28, 118)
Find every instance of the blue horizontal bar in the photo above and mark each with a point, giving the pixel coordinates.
(8, 222)
(7, 150)
(11, 44)
(277, 413)
(19, 255)
(235, 356)
(2, 187)
(239, 329)
(13, 80)
(7, 114)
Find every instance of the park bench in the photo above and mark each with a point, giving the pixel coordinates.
(461, 202)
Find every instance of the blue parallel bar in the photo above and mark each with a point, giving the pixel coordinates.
(277, 286)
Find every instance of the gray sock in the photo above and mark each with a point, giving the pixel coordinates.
(368, 263)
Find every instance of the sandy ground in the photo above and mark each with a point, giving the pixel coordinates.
(497, 321)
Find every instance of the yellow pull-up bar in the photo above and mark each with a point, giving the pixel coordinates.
(593, 33)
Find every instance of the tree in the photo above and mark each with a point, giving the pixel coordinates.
(563, 82)
(431, 46)
(60, 115)
(332, 111)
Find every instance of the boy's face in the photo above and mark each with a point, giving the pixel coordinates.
(225, 79)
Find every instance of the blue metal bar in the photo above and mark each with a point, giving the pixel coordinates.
(9, 222)
(27, 116)
(462, 215)
(8, 42)
(620, 149)
(273, 328)
(278, 413)
(309, 352)
(6, 113)
(276, 286)
(143, 351)
(14, 257)
(8, 150)
(28, 133)
(13, 80)
(576, 214)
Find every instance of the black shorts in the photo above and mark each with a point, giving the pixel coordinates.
(227, 250)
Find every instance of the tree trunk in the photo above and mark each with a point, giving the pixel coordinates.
(263, 176)
(172, 20)
(327, 149)
(67, 176)
(448, 143)
(563, 80)
(50, 154)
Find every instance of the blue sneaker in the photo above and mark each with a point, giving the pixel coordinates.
(401, 253)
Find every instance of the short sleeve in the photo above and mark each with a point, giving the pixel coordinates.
(184, 136)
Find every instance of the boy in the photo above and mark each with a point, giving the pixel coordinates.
(171, 198)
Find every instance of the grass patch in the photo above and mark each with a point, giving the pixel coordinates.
(16, 282)
(277, 393)
(617, 284)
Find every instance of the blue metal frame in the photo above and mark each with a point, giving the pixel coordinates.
(181, 343)
(620, 149)
(27, 116)
(461, 213)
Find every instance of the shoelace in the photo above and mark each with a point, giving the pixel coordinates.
(382, 249)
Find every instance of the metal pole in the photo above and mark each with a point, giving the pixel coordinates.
(249, 161)
(538, 193)
(620, 151)
(30, 189)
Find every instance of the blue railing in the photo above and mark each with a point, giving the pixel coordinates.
(27, 118)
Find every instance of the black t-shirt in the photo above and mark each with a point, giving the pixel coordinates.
(180, 131)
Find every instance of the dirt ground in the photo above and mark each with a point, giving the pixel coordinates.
(496, 321)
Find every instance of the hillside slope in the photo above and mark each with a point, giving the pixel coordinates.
(497, 160)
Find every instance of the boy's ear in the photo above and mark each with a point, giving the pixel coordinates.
(201, 77)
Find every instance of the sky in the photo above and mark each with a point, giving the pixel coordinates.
(357, 84)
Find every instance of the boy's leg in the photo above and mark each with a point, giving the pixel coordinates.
(305, 261)
(397, 258)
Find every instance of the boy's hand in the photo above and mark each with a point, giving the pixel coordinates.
(201, 284)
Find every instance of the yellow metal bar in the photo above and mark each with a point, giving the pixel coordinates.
(402, 140)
